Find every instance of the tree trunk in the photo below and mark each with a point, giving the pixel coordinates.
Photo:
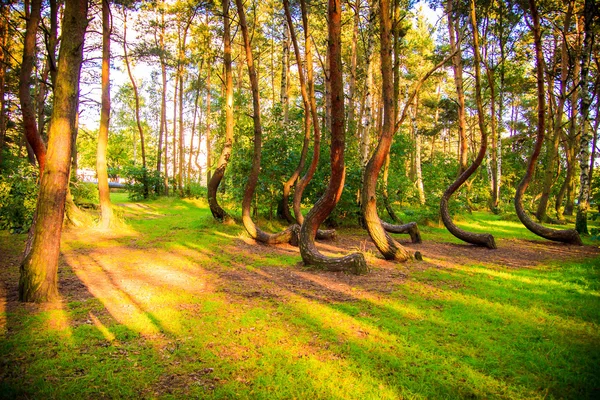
(386, 198)
(418, 169)
(39, 269)
(390, 249)
(457, 69)
(566, 236)
(291, 233)
(51, 38)
(552, 158)
(189, 166)
(3, 66)
(356, 262)
(106, 213)
(480, 239)
(351, 123)
(138, 119)
(208, 135)
(590, 13)
(307, 119)
(215, 180)
(163, 105)
(34, 139)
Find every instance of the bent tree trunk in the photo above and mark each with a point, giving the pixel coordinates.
(307, 120)
(215, 180)
(33, 136)
(356, 262)
(388, 247)
(480, 239)
(289, 235)
(38, 280)
(311, 116)
(568, 235)
(106, 213)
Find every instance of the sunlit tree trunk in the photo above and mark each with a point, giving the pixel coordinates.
(570, 235)
(138, 119)
(417, 138)
(291, 233)
(34, 139)
(356, 262)
(39, 270)
(208, 138)
(101, 167)
(163, 131)
(285, 69)
(215, 180)
(351, 123)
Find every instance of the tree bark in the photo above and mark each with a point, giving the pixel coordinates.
(38, 280)
(566, 236)
(106, 213)
(215, 180)
(388, 247)
(356, 262)
(289, 235)
(457, 69)
(34, 139)
(3, 67)
(589, 14)
(552, 158)
(307, 119)
(138, 119)
(480, 239)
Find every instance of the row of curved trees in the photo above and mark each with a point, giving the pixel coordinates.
(39, 267)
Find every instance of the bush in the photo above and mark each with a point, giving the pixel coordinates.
(136, 176)
(18, 198)
(84, 193)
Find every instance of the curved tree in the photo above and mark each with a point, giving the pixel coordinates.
(390, 249)
(39, 269)
(567, 235)
(480, 239)
(355, 262)
(215, 180)
(291, 233)
(287, 186)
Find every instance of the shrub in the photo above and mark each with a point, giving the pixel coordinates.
(136, 176)
(18, 198)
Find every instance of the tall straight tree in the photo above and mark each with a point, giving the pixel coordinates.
(27, 106)
(215, 180)
(39, 270)
(568, 235)
(355, 262)
(101, 167)
(136, 96)
(291, 233)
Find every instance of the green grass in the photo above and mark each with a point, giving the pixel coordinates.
(180, 306)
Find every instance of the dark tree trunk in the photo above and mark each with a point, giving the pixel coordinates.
(101, 168)
(305, 180)
(38, 280)
(566, 236)
(480, 239)
(356, 262)
(3, 54)
(590, 13)
(215, 180)
(34, 139)
(290, 235)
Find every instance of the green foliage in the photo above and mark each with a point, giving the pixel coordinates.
(138, 179)
(18, 196)
(84, 193)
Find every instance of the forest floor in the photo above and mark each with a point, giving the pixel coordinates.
(176, 305)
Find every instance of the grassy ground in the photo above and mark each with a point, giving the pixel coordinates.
(176, 306)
